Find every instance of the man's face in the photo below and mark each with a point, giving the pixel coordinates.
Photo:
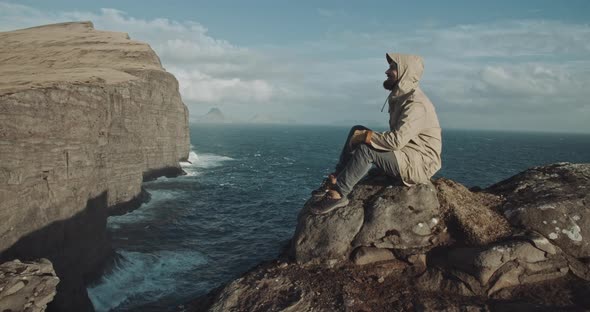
(391, 74)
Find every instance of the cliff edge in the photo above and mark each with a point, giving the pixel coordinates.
(519, 245)
(85, 117)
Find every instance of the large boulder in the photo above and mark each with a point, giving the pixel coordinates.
(400, 218)
(379, 215)
(326, 238)
(552, 200)
(27, 286)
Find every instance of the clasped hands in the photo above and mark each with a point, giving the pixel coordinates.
(358, 137)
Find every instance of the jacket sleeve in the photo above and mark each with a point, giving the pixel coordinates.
(409, 125)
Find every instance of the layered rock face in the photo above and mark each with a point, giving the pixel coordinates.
(518, 245)
(85, 116)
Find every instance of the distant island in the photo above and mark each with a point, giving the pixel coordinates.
(216, 116)
(213, 116)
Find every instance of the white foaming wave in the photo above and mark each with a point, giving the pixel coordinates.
(193, 157)
(211, 160)
(188, 166)
(151, 276)
(203, 161)
(145, 211)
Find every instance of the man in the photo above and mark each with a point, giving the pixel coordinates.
(410, 150)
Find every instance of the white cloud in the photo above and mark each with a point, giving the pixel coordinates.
(523, 81)
(201, 87)
(185, 48)
(513, 39)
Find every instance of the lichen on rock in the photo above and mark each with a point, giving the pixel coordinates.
(562, 186)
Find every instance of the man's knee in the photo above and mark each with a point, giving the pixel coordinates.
(358, 127)
(364, 149)
(355, 128)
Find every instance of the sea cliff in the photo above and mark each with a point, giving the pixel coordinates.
(85, 117)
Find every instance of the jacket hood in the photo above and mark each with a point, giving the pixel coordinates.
(409, 69)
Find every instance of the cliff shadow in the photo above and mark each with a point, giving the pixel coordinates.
(78, 247)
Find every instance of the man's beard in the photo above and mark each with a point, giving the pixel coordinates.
(389, 84)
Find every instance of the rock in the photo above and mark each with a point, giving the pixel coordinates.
(400, 218)
(326, 238)
(378, 215)
(418, 260)
(267, 294)
(85, 116)
(385, 268)
(509, 263)
(283, 265)
(366, 255)
(553, 200)
(437, 280)
(471, 214)
(435, 304)
(27, 286)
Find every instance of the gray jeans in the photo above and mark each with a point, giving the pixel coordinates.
(356, 162)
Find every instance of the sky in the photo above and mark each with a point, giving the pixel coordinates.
(501, 65)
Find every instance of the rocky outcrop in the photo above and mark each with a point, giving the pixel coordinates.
(552, 200)
(482, 271)
(488, 250)
(394, 217)
(326, 238)
(27, 286)
(85, 116)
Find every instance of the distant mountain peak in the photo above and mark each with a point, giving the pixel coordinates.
(214, 110)
(214, 115)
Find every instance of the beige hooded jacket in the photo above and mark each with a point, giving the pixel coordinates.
(415, 134)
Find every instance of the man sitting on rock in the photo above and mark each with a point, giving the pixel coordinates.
(410, 150)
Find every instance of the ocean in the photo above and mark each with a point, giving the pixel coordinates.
(245, 184)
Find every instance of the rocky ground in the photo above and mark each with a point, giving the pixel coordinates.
(520, 245)
(27, 286)
(388, 286)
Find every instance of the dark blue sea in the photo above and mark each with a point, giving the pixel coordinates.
(237, 205)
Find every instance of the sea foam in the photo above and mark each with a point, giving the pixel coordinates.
(203, 161)
(147, 275)
(146, 211)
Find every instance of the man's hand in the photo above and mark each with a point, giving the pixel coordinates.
(360, 136)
